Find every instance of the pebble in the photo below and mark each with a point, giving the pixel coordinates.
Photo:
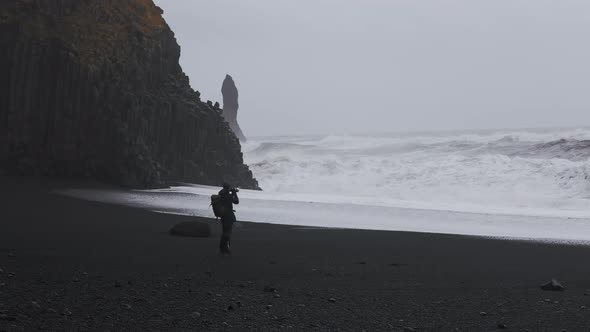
(583, 307)
(5, 317)
(35, 305)
(67, 312)
(10, 275)
(196, 315)
(483, 313)
(502, 326)
(276, 296)
(270, 289)
(332, 299)
(553, 285)
(268, 307)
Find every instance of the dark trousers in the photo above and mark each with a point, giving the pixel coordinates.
(227, 222)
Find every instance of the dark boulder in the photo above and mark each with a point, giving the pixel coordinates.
(192, 229)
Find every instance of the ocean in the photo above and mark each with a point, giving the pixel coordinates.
(531, 172)
(525, 184)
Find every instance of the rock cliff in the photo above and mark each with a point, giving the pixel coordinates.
(94, 88)
(231, 105)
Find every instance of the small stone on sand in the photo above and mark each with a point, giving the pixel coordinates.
(269, 289)
(35, 305)
(553, 285)
(5, 317)
(191, 229)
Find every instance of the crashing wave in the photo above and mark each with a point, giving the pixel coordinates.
(573, 149)
(505, 169)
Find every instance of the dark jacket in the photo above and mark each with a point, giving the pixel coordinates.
(228, 199)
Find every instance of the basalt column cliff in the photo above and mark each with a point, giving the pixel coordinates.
(93, 88)
(231, 105)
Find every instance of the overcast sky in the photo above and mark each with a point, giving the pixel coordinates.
(339, 66)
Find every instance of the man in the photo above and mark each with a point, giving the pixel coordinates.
(228, 197)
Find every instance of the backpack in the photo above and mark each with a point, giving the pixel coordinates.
(218, 208)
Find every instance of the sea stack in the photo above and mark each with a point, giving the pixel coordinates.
(93, 88)
(231, 105)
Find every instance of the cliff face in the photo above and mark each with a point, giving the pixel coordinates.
(94, 88)
(231, 105)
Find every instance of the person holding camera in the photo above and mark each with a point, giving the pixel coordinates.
(228, 197)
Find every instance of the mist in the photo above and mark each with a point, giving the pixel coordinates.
(323, 67)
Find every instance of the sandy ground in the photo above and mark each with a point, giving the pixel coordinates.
(68, 264)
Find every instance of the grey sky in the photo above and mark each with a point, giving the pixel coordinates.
(338, 66)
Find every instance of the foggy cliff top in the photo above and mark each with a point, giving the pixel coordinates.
(337, 66)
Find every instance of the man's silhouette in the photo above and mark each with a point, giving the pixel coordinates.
(228, 197)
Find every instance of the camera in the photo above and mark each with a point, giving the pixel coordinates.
(235, 190)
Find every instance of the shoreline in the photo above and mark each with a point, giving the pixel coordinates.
(73, 264)
(256, 208)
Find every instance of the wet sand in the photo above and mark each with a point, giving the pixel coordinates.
(72, 264)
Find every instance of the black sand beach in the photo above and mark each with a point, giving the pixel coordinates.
(68, 264)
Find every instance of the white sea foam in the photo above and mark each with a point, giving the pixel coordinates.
(518, 172)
